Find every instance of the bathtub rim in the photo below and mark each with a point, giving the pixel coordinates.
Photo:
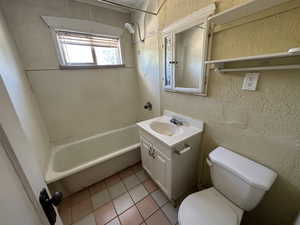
(56, 148)
(52, 176)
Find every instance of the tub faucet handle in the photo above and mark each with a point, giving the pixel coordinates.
(148, 106)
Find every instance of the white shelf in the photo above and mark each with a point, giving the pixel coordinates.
(251, 58)
(263, 68)
(220, 64)
(243, 10)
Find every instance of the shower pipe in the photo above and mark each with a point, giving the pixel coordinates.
(132, 8)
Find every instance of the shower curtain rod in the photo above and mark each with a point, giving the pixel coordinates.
(130, 7)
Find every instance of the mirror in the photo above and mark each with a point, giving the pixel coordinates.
(189, 54)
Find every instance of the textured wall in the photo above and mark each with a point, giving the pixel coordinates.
(73, 103)
(262, 125)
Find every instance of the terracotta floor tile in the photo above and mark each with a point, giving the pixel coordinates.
(66, 203)
(131, 217)
(123, 203)
(100, 199)
(112, 180)
(105, 213)
(81, 209)
(115, 221)
(171, 213)
(80, 196)
(126, 173)
(158, 218)
(131, 181)
(142, 175)
(138, 193)
(117, 190)
(137, 167)
(159, 197)
(95, 188)
(65, 215)
(150, 185)
(147, 207)
(88, 220)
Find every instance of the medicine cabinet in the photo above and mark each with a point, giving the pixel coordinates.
(185, 50)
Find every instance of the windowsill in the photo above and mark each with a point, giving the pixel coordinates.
(91, 67)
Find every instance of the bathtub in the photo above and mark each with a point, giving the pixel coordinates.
(79, 164)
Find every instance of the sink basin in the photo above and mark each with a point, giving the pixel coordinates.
(170, 134)
(164, 128)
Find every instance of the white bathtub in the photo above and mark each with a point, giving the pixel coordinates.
(81, 163)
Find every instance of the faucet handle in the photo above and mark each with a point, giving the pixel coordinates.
(176, 121)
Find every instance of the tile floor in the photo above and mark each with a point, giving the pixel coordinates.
(127, 198)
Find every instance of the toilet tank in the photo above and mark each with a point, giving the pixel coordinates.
(240, 179)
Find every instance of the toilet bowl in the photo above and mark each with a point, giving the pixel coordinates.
(208, 207)
(239, 184)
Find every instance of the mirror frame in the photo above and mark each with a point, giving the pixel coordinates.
(196, 18)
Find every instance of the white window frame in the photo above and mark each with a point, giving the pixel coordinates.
(61, 56)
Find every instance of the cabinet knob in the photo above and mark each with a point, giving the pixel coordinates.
(153, 154)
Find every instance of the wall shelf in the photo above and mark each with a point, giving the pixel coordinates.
(243, 10)
(262, 68)
(220, 65)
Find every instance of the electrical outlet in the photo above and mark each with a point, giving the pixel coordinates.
(250, 81)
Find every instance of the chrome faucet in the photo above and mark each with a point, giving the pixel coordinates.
(176, 122)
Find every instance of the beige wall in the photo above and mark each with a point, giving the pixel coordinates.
(147, 61)
(18, 88)
(262, 125)
(73, 103)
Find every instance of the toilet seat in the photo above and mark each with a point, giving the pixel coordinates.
(208, 207)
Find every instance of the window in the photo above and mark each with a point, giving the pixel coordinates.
(86, 50)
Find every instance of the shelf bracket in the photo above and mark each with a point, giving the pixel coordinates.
(218, 66)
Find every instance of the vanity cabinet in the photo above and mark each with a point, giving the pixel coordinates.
(170, 150)
(174, 173)
(155, 163)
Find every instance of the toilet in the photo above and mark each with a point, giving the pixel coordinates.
(239, 184)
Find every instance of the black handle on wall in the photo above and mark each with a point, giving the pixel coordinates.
(148, 106)
(47, 204)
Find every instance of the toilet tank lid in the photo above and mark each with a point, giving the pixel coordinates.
(251, 172)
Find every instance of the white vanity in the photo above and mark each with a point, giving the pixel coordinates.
(170, 152)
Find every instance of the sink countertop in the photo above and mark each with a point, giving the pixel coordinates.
(186, 130)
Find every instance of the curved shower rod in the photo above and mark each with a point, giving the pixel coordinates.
(109, 2)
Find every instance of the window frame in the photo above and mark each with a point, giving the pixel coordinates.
(62, 58)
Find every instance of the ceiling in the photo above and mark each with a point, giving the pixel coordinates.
(129, 2)
(133, 4)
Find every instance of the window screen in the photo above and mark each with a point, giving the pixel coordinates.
(79, 49)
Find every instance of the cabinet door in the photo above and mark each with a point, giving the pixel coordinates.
(161, 175)
(147, 159)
